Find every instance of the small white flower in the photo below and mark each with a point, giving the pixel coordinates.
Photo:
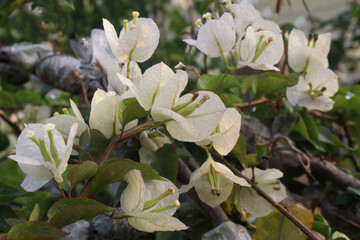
(32, 145)
(226, 134)
(137, 41)
(259, 49)
(216, 36)
(150, 204)
(314, 91)
(308, 53)
(49, 126)
(213, 182)
(266, 180)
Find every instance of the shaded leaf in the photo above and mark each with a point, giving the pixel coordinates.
(35, 214)
(70, 210)
(167, 162)
(35, 231)
(81, 172)
(114, 169)
(94, 145)
(129, 110)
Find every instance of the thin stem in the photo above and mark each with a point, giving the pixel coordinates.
(291, 217)
(61, 191)
(261, 101)
(12, 124)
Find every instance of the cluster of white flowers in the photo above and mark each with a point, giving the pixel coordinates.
(253, 41)
(317, 83)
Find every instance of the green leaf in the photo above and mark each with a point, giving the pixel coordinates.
(167, 162)
(66, 5)
(176, 235)
(26, 96)
(35, 214)
(81, 172)
(8, 193)
(6, 212)
(129, 110)
(93, 145)
(262, 152)
(4, 141)
(35, 231)
(239, 150)
(272, 83)
(320, 225)
(209, 82)
(269, 227)
(70, 210)
(114, 169)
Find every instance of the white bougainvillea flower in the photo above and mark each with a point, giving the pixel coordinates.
(314, 91)
(259, 49)
(154, 78)
(42, 154)
(216, 36)
(153, 141)
(245, 14)
(64, 122)
(266, 180)
(150, 204)
(213, 182)
(104, 113)
(137, 41)
(307, 54)
(115, 84)
(191, 117)
(226, 134)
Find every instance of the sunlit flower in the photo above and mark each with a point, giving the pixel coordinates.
(314, 91)
(266, 180)
(42, 154)
(213, 182)
(150, 204)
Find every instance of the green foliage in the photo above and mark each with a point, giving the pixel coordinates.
(66, 211)
(35, 230)
(81, 172)
(129, 110)
(114, 169)
(92, 143)
(276, 224)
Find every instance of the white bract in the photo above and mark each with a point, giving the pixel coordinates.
(259, 49)
(63, 122)
(191, 117)
(314, 91)
(150, 204)
(42, 154)
(213, 182)
(266, 180)
(226, 134)
(216, 36)
(104, 115)
(307, 54)
(154, 78)
(153, 141)
(137, 41)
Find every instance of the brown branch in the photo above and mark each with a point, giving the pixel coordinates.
(323, 116)
(261, 101)
(215, 215)
(12, 124)
(291, 217)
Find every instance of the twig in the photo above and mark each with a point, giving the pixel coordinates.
(293, 219)
(261, 101)
(323, 116)
(84, 91)
(12, 124)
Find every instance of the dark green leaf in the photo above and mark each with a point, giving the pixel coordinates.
(70, 210)
(176, 235)
(129, 110)
(8, 193)
(113, 170)
(239, 150)
(81, 172)
(35, 231)
(320, 225)
(272, 83)
(209, 82)
(94, 145)
(35, 214)
(6, 212)
(167, 162)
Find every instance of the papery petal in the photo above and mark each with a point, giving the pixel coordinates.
(33, 167)
(111, 36)
(68, 150)
(64, 122)
(276, 191)
(245, 14)
(139, 43)
(99, 95)
(31, 185)
(154, 79)
(263, 175)
(168, 95)
(132, 198)
(153, 143)
(153, 188)
(114, 83)
(196, 175)
(151, 222)
(227, 173)
(253, 203)
(76, 111)
(101, 52)
(135, 74)
(203, 189)
(246, 47)
(321, 103)
(323, 78)
(297, 38)
(323, 43)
